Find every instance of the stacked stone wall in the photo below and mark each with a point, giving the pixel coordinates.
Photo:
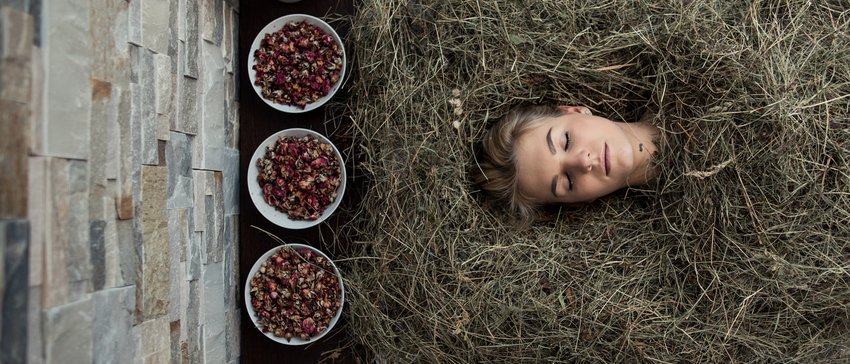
(119, 185)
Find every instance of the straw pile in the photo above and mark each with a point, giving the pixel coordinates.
(740, 253)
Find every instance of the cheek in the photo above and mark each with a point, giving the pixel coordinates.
(595, 188)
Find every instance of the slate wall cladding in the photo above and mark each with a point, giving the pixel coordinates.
(117, 238)
(14, 277)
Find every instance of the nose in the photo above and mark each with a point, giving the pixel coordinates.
(579, 162)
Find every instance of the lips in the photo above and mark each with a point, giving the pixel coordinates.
(607, 161)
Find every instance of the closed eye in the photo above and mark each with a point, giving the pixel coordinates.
(567, 146)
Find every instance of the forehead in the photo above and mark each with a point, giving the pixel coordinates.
(531, 138)
(531, 156)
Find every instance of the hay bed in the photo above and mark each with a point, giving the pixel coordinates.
(740, 253)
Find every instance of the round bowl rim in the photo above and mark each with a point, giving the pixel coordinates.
(249, 309)
(274, 26)
(270, 213)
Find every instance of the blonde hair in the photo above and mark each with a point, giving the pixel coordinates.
(497, 168)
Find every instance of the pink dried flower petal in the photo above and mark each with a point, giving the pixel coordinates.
(290, 63)
(303, 311)
(309, 177)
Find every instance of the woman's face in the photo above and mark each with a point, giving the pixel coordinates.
(578, 157)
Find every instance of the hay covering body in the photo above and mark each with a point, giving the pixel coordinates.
(741, 252)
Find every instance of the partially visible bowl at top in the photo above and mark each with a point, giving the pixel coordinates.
(305, 66)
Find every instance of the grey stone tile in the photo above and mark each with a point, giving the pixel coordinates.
(98, 254)
(188, 110)
(174, 16)
(35, 10)
(134, 151)
(156, 31)
(134, 23)
(199, 178)
(154, 341)
(193, 323)
(232, 334)
(164, 84)
(111, 248)
(178, 234)
(68, 333)
(179, 160)
(54, 276)
(67, 62)
(181, 22)
(134, 51)
(139, 282)
(193, 255)
(144, 103)
(234, 55)
(213, 113)
(128, 257)
(14, 276)
(78, 246)
(230, 186)
(231, 110)
(211, 23)
(101, 106)
(35, 340)
(230, 251)
(212, 302)
(190, 56)
(212, 244)
(219, 213)
(37, 212)
(227, 38)
(114, 339)
(36, 103)
(199, 154)
(112, 134)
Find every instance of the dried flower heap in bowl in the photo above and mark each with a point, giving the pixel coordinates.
(299, 176)
(296, 178)
(298, 64)
(295, 294)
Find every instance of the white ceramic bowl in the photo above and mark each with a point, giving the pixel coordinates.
(268, 211)
(253, 314)
(276, 25)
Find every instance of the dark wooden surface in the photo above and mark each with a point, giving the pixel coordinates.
(257, 121)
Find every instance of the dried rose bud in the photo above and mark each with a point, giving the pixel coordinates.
(306, 307)
(298, 64)
(308, 182)
(308, 326)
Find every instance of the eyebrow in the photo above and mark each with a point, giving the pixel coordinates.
(549, 141)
